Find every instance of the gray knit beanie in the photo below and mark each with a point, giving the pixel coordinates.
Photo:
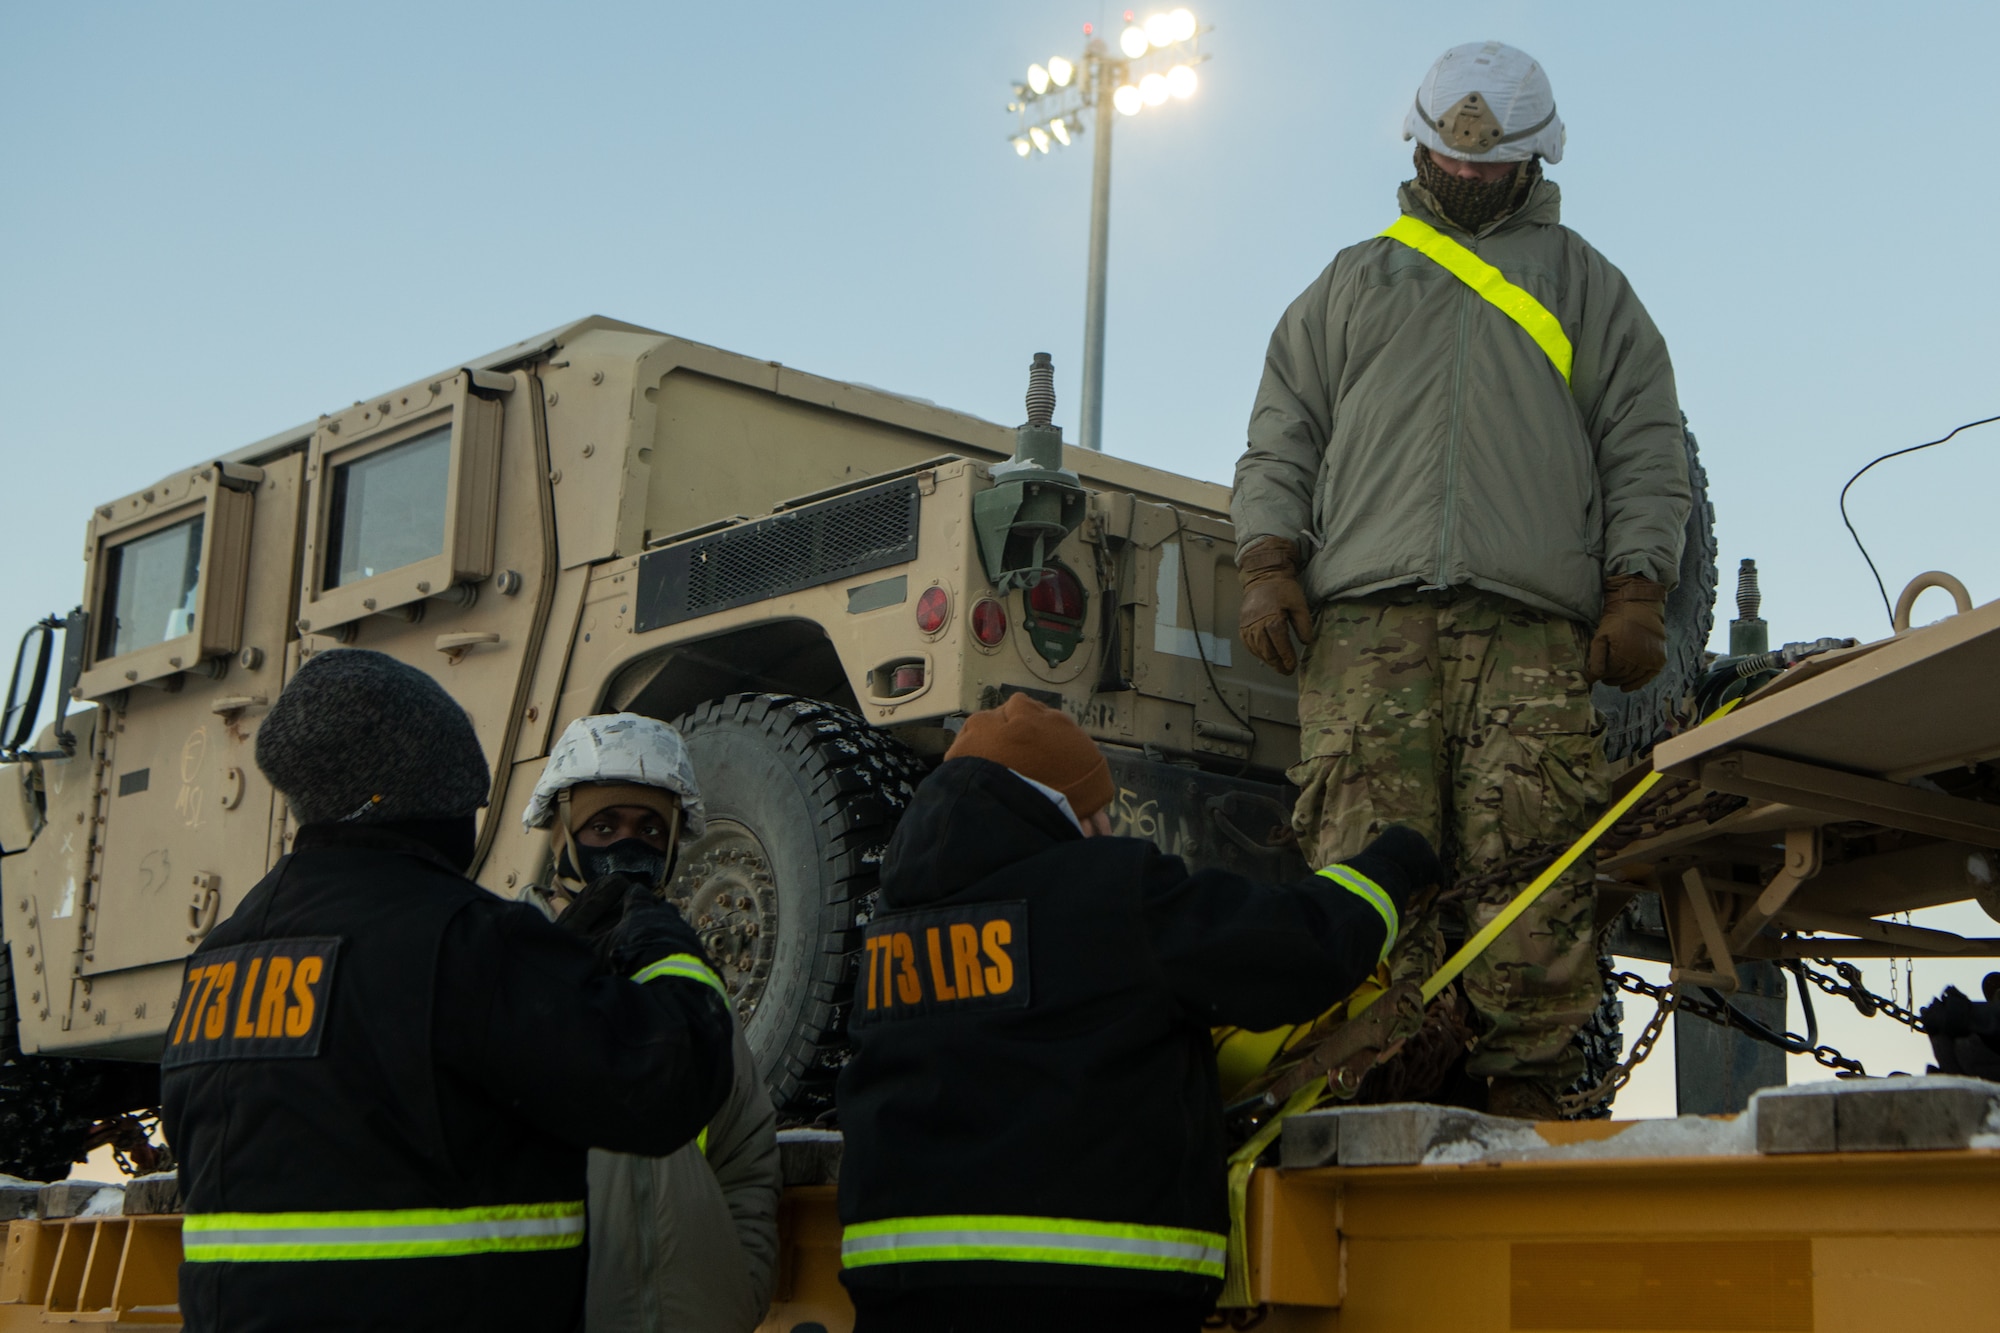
(357, 735)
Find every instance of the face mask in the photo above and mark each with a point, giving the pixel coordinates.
(1473, 203)
(628, 856)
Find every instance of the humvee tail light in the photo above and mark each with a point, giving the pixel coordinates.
(989, 622)
(933, 610)
(1057, 593)
(1054, 621)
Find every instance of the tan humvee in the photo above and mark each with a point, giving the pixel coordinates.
(602, 518)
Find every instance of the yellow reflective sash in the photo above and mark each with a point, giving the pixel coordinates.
(1491, 285)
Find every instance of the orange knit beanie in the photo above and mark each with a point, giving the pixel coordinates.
(1042, 743)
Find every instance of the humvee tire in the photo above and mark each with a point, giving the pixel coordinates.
(1635, 722)
(50, 1104)
(802, 797)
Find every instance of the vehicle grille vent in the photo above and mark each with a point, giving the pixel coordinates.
(785, 553)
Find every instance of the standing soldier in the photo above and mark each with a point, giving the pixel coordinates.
(383, 1080)
(689, 1240)
(1465, 492)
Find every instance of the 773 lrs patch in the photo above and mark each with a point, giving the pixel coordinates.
(254, 1002)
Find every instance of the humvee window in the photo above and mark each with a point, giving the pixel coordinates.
(388, 508)
(149, 589)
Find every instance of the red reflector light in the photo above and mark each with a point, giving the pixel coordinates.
(933, 609)
(989, 622)
(1057, 593)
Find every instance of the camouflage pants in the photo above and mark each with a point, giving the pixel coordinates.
(1466, 716)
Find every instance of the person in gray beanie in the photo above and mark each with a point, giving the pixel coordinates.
(382, 1081)
(358, 737)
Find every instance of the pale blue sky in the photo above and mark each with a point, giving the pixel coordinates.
(218, 220)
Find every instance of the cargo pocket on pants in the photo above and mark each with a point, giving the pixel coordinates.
(1322, 748)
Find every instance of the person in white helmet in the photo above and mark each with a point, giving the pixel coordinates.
(1464, 493)
(686, 1241)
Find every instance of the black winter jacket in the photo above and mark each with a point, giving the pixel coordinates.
(413, 1043)
(1032, 1046)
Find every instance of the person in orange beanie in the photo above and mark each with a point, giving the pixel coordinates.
(1032, 1119)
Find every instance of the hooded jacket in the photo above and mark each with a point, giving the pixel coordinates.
(1032, 1047)
(1407, 432)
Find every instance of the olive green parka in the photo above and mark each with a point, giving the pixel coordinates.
(1407, 432)
(688, 1243)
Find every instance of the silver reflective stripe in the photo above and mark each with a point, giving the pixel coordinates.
(1032, 1240)
(381, 1233)
(337, 1235)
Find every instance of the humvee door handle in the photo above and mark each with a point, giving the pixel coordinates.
(236, 703)
(455, 646)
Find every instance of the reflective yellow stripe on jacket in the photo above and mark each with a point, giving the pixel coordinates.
(683, 965)
(380, 1233)
(1368, 891)
(1491, 285)
(1034, 1240)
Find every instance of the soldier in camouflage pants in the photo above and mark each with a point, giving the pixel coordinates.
(1465, 715)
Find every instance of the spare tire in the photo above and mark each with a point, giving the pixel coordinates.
(802, 797)
(1635, 722)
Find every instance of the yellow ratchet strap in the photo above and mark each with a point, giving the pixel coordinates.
(1491, 285)
(1236, 1287)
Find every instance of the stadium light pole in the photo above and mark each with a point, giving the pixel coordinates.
(1154, 62)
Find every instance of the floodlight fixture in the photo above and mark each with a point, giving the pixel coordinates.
(1149, 62)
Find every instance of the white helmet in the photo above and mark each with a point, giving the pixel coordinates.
(1487, 102)
(617, 748)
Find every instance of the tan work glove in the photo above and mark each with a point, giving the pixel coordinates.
(1630, 645)
(1274, 605)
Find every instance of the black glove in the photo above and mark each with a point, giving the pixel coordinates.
(1950, 1015)
(595, 912)
(1402, 861)
(650, 930)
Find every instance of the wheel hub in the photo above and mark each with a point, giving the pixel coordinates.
(725, 888)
